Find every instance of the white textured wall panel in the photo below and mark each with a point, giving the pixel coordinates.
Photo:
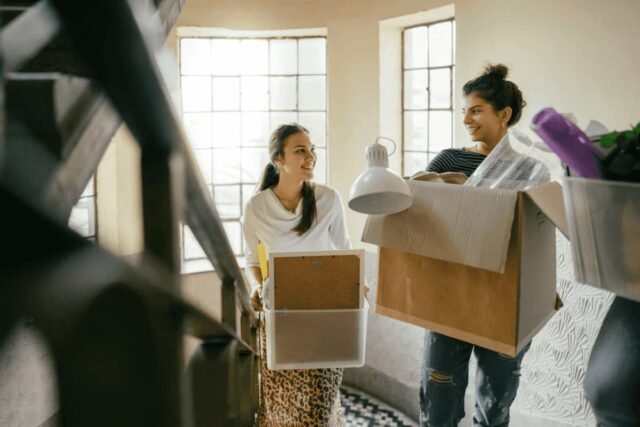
(555, 366)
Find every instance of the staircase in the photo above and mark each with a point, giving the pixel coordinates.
(73, 72)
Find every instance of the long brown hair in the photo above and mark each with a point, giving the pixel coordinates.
(270, 176)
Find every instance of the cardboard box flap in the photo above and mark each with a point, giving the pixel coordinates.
(548, 198)
(465, 225)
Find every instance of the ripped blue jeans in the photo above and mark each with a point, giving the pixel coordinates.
(445, 373)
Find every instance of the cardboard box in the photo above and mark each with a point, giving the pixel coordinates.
(604, 229)
(476, 264)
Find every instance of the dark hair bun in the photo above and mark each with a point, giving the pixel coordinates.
(497, 71)
(493, 87)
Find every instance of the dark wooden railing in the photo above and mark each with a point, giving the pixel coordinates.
(115, 330)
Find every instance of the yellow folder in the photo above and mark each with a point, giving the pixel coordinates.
(262, 258)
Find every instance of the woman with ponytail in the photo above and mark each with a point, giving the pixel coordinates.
(290, 213)
(493, 104)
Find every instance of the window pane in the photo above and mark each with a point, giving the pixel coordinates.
(415, 130)
(196, 94)
(439, 130)
(431, 155)
(415, 89)
(317, 126)
(440, 44)
(453, 31)
(198, 129)
(440, 88)
(414, 162)
(277, 119)
(320, 171)
(195, 56)
(226, 93)
(226, 129)
(82, 215)
(415, 47)
(226, 166)
(284, 57)
(227, 200)
(225, 55)
(192, 249)
(234, 233)
(255, 93)
(88, 190)
(203, 157)
(254, 161)
(312, 93)
(312, 55)
(255, 56)
(283, 93)
(255, 129)
(247, 192)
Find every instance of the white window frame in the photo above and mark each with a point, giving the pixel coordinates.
(89, 195)
(429, 153)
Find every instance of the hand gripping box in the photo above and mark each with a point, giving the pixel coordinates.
(476, 264)
(319, 315)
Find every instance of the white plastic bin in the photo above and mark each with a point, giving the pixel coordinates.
(316, 339)
(604, 228)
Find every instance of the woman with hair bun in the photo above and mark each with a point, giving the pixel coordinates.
(493, 104)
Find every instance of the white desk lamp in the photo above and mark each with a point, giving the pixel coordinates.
(379, 190)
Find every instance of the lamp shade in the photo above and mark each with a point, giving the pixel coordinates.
(379, 190)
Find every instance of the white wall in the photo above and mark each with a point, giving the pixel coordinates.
(579, 56)
(119, 196)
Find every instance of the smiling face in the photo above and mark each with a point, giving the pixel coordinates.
(299, 158)
(483, 122)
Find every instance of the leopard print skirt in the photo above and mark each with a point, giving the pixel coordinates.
(298, 398)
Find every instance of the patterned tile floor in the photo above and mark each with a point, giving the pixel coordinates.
(362, 410)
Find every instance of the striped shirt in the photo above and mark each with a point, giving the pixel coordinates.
(456, 160)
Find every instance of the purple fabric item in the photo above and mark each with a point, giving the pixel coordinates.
(570, 144)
